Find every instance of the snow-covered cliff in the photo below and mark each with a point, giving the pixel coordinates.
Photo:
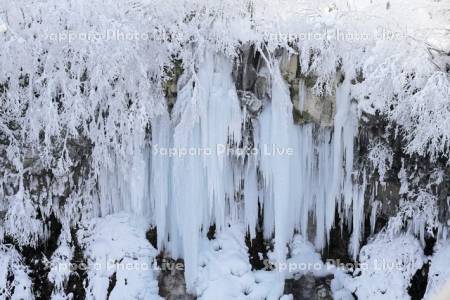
(234, 138)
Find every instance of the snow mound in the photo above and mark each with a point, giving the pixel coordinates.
(225, 272)
(116, 247)
(304, 259)
(386, 267)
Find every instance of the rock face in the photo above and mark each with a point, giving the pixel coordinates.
(420, 172)
(171, 281)
(308, 107)
(251, 102)
(252, 81)
(170, 85)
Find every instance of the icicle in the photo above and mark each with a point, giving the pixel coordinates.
(251, 197)
(403, 176)
(358, 215)
(373, 215)
(189, 193)
(137, 181)
(265, 167)
(124, 180)
(301, 94)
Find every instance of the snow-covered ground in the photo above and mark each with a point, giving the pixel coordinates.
(117, 246)
(225, 271)
(121, 264)
(439, 274)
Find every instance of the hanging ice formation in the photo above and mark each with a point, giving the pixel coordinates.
(193, 177)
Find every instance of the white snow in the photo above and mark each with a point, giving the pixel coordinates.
(386, 267)
(117, 244)
(225, 272)
(439, 273)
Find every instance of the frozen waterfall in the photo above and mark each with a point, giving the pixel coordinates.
(194, 172)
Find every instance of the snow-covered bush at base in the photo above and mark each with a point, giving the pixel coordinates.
(14, 281)
(439, 273)
(303, 259)
(387, 265)
(418, 214)
(225, 271)
(21, 221)
(340, 291)
(60, 264)
(116, 244)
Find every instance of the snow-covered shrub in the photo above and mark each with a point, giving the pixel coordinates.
(424, 117)
(14, 281)
(60, 265)
(417, 213)
(386, 266)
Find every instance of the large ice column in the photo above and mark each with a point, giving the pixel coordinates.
(305, 188)
(345, 127)
(300, 184)
(208, 119)
(276, 145)
(324, 196)
(345, 180)
(221, 121)
(160, 174)
(188, 182)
